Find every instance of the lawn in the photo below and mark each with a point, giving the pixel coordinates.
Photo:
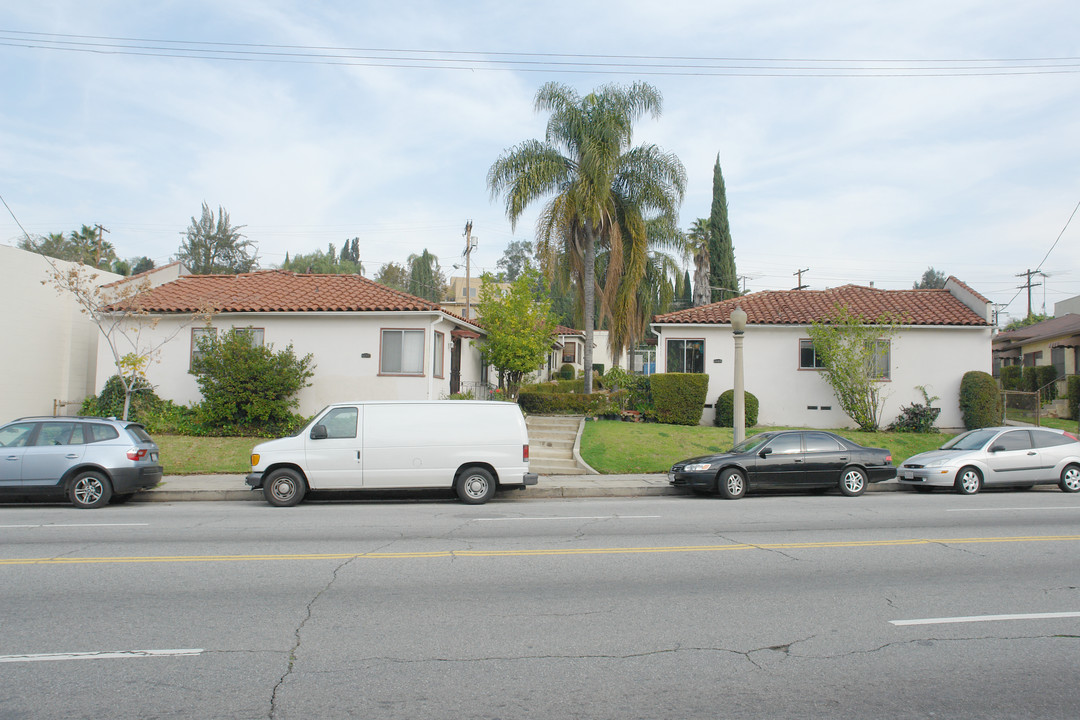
(615, 447)
(184, 455)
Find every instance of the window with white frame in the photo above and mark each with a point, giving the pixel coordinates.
(402, 352)
(808, 357)
(255, 335)
(197, 335)
(880, 360)
(437, 357)
(686, 356)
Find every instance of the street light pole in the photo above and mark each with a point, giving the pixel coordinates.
(738, 327)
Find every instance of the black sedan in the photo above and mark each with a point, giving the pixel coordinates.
(786, 459)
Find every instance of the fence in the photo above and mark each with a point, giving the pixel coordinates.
(478, 390)
(1024, 407)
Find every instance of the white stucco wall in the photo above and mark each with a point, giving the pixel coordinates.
(936, 357)
(337, 341)
(51, 346)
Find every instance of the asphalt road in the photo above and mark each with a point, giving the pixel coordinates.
(890, 605)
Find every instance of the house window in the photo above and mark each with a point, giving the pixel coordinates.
(437, 359)
(686, 356)
(1057, 359)
(808, 357)
(569, 353)
(880, 360)
(256, 335)
(402, 352)
(197, 335)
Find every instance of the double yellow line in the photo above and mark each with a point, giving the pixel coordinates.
(544, 552)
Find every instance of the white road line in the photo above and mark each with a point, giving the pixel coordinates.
(104, 655)
(575, 517)
(75, 525)
(1067, 507)
(986, 618)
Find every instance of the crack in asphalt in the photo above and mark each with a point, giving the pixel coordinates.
(296, 636)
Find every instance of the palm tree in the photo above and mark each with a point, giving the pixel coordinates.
(600, 189)
(697, 245)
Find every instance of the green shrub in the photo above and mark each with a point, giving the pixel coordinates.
(1072, 392)
(540, 403)
(917, 417)
(725, 409)
(1012, 377)
(980, 400)
(248, 388)
(679, 397)
(566, 372)
(110, 403)
(638, 389)
(1046, 382)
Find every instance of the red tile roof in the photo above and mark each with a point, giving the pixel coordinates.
(804, 307)
(280, 291)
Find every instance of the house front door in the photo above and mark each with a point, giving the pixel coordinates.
(455, 366)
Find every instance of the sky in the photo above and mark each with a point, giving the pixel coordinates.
(861, 141)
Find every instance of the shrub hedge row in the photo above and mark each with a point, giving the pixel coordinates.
(548, 403)
(980, 400)
(725, 409)
(679, 397)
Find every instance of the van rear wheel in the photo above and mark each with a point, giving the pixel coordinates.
(475, 486)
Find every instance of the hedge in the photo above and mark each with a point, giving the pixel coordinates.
(725, 409)
(980, 400)
(679, 397)
(1012, 377)
(545, 403)
(1073, 394)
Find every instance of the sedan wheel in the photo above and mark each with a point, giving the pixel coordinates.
(732, 484)
(853, 482)
(1070, 479)
(968, 481)
(89, 490)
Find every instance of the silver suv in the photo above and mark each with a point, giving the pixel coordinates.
(93, 461)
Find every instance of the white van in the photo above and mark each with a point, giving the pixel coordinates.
(473, 447)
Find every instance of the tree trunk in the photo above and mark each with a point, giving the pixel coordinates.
(588, 284)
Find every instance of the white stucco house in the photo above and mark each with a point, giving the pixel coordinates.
(945, 333)
(52, 360)
(369, 342)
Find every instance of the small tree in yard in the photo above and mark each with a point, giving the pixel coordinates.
(853, 353)
(247, 386)
(127, 328)
(519, 326)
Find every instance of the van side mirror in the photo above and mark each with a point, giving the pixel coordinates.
(318, 432)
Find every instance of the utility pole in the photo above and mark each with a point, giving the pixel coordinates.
(799, 273)
(1028, 285)
(468, 274)
(97, 254)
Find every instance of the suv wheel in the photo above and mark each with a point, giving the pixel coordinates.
(90, 489)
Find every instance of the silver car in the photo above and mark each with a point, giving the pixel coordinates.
(997, 456)
(91, 460)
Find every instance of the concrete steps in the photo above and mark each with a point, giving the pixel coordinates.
(551, 444)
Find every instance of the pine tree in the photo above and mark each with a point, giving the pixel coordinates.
(722, 273)
(686, 299)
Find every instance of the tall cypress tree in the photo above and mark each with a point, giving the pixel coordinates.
(722, 274)
(686, 298)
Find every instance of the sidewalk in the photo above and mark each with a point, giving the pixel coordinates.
(178, 488)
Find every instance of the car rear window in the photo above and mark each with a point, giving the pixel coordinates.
(1043, 438)
(139, 432)
(96, 432)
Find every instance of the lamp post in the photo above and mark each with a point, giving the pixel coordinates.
(738, 327)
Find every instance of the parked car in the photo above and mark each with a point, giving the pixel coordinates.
(91, 460)
(792, 459)
(473, 447)
(997, 456)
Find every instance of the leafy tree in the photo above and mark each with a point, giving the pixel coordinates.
(245, 385)
(600, 188)
(722, 272)
(931, 280)
(516, 259)
(121, 267)
(1024, 322)
(393, 275)
(426, 278)
(80, 246)
(324, 263)
(519, 327)
(699, 246)
(850, 350)
(214, 246)
(141, 265)
(350, 251)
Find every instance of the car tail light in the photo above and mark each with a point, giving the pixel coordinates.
(888, 459)
(525, 452)
(136, 453)
(1069, 434)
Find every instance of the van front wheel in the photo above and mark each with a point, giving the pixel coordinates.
(475, 486)
(284, 488)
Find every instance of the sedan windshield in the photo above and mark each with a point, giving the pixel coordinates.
(751, 444)
(972, 440)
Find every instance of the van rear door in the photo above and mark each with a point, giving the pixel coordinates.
(333, 449)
